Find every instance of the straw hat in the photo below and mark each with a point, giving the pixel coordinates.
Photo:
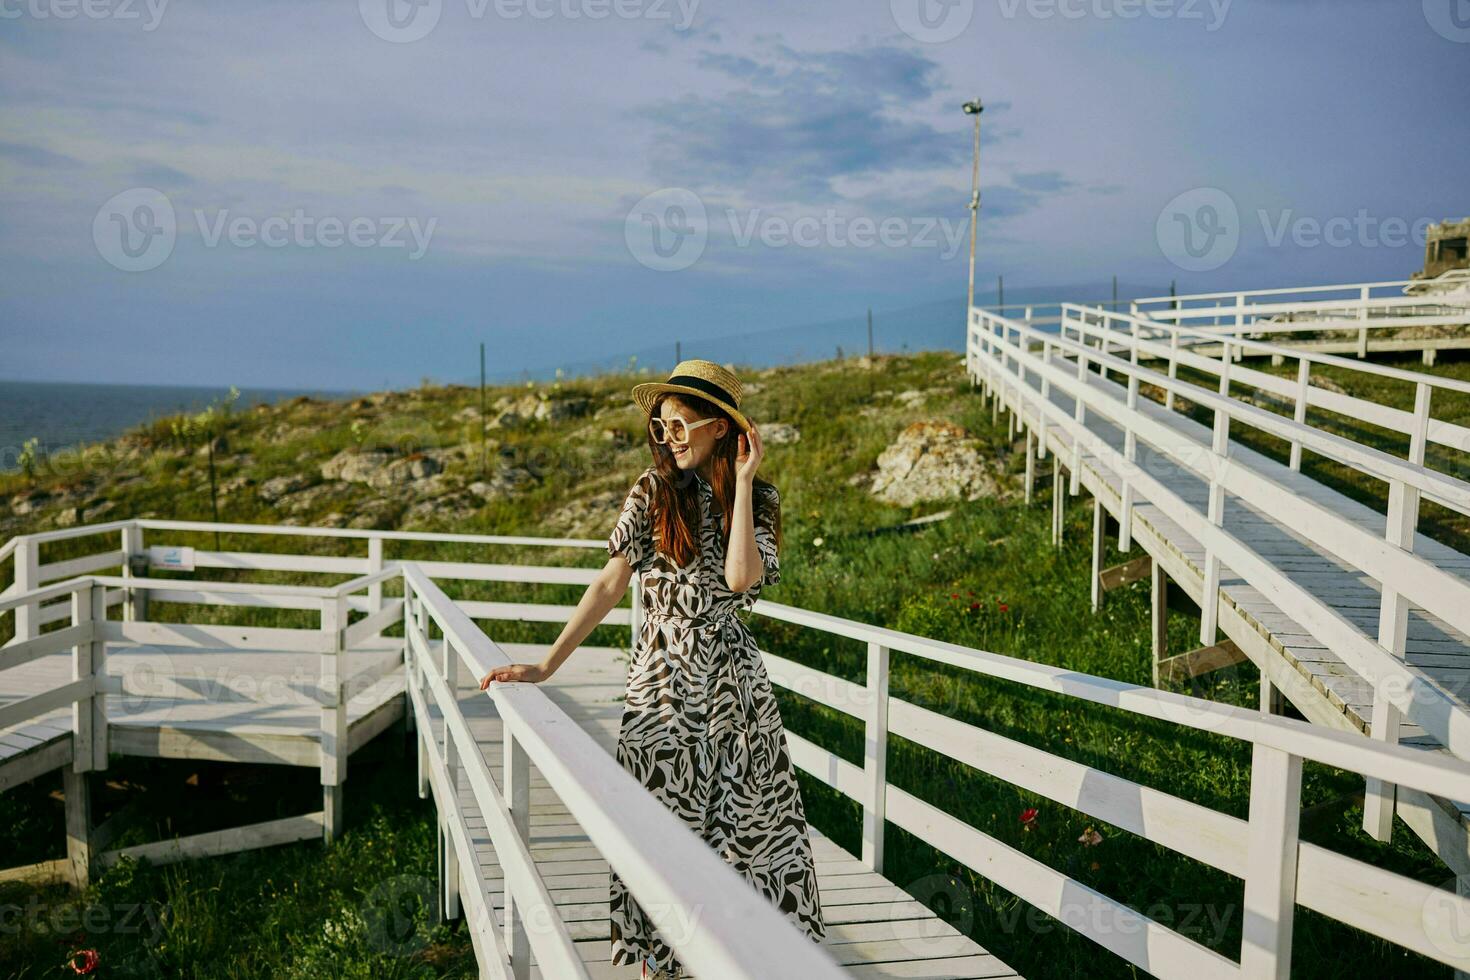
(696, 377)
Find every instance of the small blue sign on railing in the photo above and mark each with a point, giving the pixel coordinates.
(175, 558)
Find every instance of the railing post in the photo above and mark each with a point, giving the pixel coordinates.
(875, 757)
(27, 577)
(375, 565)
(449, 662)
(1099, 521)
(1299, 414)
(1219, 448)
(1271, 859)
(414, 620)
(1057, 489)
(1045, 399)
(85, 721)
(1030, 464)
(1173, 364)
(1363, 318)
(517, 791)
(1079, 413)
(1130, 454)
(132, 544)
(1393, 618)
(333, 718)
(89, 720)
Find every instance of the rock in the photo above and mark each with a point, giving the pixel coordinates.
(279, 486)
(589, 517)
(560, 409)
(507, 420)
(540, 408)
(913, 398)
(29, 502)
(311, 498)
(450, 507)
(506, 481)
(933, 459)
(378, 514)
(780, 433)
(1326, 383)
(234, 485)
(381, 470)
(97, 511)
(751, 388)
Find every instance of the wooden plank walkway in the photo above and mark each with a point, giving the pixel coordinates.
(1435, 649)
(875, 929)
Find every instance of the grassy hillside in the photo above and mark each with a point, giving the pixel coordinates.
(987, 576)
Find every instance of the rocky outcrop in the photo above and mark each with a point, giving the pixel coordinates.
(934, 459)
(381, 470)
(538, 407)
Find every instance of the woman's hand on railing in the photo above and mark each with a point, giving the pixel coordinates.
(533, 673)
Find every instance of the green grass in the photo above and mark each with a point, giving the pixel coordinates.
(300, 910)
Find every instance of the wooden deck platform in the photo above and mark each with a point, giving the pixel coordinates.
(875, 929)
(184, 702)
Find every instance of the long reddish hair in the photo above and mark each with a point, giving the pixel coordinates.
(675, 510)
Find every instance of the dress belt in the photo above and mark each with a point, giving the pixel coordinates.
(691, 621)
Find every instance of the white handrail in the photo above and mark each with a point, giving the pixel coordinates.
(665, 864)
(1279, 291)
(1262, 347)
(1279, 872)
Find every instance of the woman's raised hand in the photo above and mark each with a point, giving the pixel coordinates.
(516, 672)
(748, 456)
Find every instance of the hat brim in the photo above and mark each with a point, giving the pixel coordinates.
(644, 394)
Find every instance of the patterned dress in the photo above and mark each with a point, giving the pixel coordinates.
(700, 725)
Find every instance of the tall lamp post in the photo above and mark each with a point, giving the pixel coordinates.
(973, 108)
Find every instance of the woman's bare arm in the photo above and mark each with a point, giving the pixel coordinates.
(605, 592)
(743, 566)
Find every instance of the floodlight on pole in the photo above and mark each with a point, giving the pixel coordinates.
(973, 108)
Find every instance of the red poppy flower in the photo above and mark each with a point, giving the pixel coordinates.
(1003, 607)
(954, 595)
(1028, 817)
(84, 961)
(974, 605)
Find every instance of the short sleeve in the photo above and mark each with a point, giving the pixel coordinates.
(632, 535)
(765, 536)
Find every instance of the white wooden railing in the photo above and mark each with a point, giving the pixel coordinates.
(668, 868)
(1361, 307)
(1279, 871)
(1025, 364)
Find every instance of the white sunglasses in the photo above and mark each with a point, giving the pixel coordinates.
(675, 430)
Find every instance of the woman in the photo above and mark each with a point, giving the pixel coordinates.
(700, 724)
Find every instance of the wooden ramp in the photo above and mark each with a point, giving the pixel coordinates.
(1318, 682)
(875, 929)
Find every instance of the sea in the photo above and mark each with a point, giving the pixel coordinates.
(61, 415)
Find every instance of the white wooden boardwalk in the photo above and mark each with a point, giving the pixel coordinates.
(1296, 662)
(875, 929)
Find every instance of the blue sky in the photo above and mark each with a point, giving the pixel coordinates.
(313, 198)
